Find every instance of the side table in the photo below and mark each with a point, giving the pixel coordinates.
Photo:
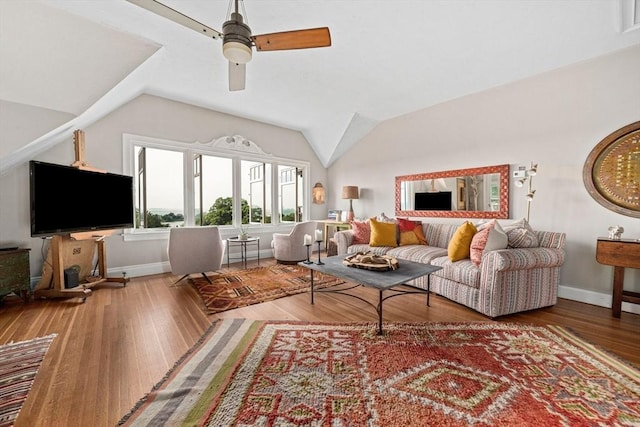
(15, 275)
(243, 243)
(620, 254)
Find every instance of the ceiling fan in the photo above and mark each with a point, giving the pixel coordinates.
(237, 40)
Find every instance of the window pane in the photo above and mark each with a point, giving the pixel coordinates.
(160, 187)
(290, 192)
(256, 192)
(215, 179)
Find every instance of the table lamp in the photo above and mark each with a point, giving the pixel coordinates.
(350, 192)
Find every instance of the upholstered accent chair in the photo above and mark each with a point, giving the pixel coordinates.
(195, 250)
(289, 248)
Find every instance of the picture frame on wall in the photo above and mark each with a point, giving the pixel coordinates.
(334, 214)
(462, 194)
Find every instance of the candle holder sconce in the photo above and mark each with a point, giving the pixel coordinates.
(308, 261)
(319, 242)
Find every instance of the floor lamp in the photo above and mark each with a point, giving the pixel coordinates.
(527, 176)
(350, 192)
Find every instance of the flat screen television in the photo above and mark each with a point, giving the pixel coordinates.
(437, 201)
(64, 199)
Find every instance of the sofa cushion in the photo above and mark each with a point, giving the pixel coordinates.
(490, 237)
(439, 234)
(361, 232)
(416, 253)
(463, 271)
(383, 233)
(460, 244)
(521, 235)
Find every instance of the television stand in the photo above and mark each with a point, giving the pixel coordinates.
(76, 251)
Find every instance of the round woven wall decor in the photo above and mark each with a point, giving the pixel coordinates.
(611, 173)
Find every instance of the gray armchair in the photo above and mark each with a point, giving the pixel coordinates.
(290, 248)
(195, 250)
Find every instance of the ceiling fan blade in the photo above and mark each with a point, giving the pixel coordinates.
(237, 76)
(297, 39)
(172, 14)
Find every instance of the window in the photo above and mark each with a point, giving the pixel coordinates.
(290, 193)
(180, 184)
(256, 192)
(213, 190)
(159, 189)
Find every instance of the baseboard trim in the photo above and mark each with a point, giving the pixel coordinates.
(130, 271)
(594, 298)
(575, 294)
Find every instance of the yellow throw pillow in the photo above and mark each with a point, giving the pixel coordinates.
(460, 244)
(382, 233)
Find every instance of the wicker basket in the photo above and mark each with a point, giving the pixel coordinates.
(369, 261)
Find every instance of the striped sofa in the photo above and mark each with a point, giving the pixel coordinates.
(506, 281)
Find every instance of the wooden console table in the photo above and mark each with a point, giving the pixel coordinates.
(336, 225)
(620, 254)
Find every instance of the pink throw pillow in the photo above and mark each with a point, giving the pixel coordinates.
(361, 232)
(490, 238)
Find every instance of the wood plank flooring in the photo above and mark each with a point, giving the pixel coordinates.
(113, 348)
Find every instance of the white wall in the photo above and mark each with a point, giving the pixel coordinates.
(554, 119)
(20, 124)
(148, 116)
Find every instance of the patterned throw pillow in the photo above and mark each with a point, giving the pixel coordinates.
(411, 232)
(521, 235)
(460, 244)
(361, 232)
(383, 233)
(490, 237)
(419, 232)
(408, 238)
(405, 224)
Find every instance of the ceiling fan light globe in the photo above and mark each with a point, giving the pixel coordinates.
(236, 52)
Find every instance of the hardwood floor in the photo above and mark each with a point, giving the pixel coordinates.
(113, 348)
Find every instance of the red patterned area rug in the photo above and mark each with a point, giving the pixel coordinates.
(256, 285)
(19, 364)
(265, 373)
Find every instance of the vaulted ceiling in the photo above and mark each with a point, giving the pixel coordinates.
(388, 57)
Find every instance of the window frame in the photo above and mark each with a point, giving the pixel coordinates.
(189, 150)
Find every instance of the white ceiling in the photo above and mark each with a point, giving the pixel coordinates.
(388, 57)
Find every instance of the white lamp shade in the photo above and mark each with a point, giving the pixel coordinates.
(236, 52)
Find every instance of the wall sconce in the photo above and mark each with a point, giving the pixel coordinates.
(317, 194)
(350, 192)
(525, 176)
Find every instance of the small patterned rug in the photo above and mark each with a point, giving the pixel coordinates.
(256, 285)
(266, 373)
(19, 364)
